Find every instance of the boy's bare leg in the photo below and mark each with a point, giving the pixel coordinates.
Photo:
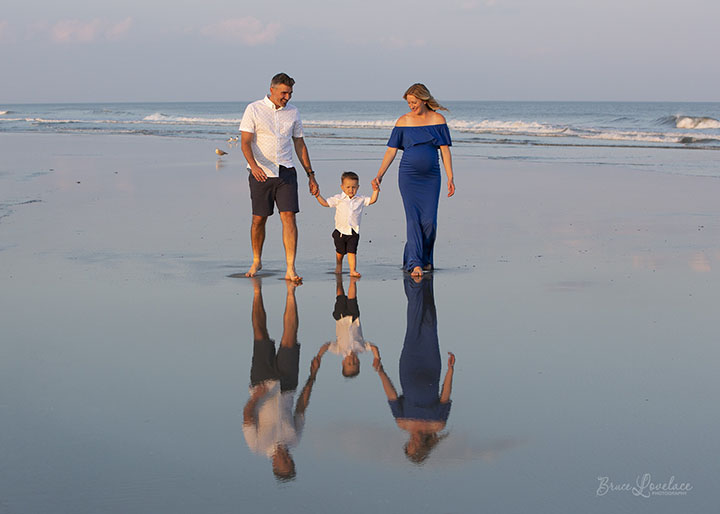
(338, 262)
(257, 240)
(352, 262)
(352, 290)
(290, 237)
(339, 289)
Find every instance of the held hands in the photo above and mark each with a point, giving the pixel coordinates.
(313, 185)
(377, 363)
(376, 183)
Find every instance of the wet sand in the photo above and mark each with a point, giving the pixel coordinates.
(580, 302)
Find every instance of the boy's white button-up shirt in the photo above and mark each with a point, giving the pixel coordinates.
(348, 211)
(273, 130)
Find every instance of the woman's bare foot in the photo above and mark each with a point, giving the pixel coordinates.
(417, 272)
(354, 273)
(428, 267)
(256, 266)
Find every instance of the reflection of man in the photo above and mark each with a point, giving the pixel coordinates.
(270, 128)
(270, 425)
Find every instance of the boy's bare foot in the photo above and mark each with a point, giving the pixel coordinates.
(355, 274)
(256, 266)
(338, 269)
(417, 272)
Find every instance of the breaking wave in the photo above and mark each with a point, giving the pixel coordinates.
(690, 122)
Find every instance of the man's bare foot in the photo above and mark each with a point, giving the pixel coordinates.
(293, 277)
(355, 274)
(417, 272)
(256, 266)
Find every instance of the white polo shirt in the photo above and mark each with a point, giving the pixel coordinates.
(348, 337)
(273, 130)
(348, 212)
(276, 423)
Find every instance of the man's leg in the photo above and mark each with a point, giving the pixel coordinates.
(257, 239)
(290, 236)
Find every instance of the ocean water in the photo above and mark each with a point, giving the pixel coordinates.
(585, 132)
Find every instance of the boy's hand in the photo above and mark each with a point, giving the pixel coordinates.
(375, 185)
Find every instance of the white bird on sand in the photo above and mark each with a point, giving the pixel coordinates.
(220, 152)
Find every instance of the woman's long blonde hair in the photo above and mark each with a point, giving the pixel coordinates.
(420, 92)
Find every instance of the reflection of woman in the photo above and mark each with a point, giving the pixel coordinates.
(423, 409)
(419, 134)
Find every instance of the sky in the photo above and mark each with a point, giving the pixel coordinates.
(227, 50)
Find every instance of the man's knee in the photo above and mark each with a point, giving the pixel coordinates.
(287, 217)
(259, 221)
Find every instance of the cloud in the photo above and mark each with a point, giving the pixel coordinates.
(119, 30)
(248, 30)
(77, 31)
(4, 30)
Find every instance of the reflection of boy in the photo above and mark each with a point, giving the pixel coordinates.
(348, 331)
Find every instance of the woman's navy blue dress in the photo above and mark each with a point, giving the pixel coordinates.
(419, 180)
(420, 363)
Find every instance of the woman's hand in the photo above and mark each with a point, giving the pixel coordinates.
(376, 183)
(451, 360)
(451, 187)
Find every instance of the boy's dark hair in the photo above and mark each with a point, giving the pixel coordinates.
(349, 174)
(351, 374)
(282, 78)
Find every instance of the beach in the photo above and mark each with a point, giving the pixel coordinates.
(577, 293)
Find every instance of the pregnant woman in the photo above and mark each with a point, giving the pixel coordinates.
(419, 134)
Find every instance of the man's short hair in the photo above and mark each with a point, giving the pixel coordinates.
(349, 174)
(282, 78)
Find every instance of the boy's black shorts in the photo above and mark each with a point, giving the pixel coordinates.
(345, 306)
(345, 244)
(281, 190)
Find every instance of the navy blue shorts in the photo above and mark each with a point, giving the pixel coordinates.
(281, 190)
(345, 244)
(269, 364)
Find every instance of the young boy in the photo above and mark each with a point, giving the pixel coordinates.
(348, 213)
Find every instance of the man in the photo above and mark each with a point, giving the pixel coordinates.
(270, 128)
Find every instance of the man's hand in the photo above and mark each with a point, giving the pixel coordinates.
(258, 173)
(313, 185)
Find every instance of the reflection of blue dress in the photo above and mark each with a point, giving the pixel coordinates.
(419, 180)
(420, 363)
